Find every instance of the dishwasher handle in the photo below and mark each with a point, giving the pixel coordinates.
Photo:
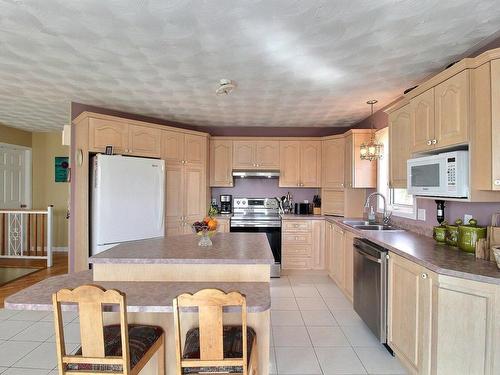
(366, 255)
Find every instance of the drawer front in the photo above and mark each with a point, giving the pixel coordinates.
(297, 226)
(296, 262)
(297, 238)
(297, 250)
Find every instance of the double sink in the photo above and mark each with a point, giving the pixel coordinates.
(366, 225)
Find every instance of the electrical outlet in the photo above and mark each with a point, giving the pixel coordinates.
(421, 214)
(467, 217)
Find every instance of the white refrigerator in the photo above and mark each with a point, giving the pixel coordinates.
(127, 200)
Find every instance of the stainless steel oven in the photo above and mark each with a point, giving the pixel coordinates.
(370, 286)
(260, 215)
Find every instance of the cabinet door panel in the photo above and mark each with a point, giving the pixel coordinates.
(403, 309)
(195, 149)
(452, 110)
(174, 199)
(104, 133)
(221, 163)
(332, 202)
(348, 161)
(399, 146)
(172, 147)
(267, 154)
(332, 163)
(338, 257)
(348, 265)
(310, 164)
(194, 193)
(144, 141)
(422, 121)
(289, 163)
(244, 155)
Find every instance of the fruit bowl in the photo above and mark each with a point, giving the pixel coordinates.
(205, 229)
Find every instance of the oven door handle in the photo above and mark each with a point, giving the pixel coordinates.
(366, 255)
(255, 224)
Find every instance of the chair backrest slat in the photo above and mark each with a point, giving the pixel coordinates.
(90, 299)
(210, 304)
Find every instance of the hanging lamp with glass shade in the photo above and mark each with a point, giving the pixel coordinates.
(371, 150)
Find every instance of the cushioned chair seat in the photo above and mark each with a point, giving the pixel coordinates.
(141, 338)
(233, 348)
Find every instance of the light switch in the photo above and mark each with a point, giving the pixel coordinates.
(421, 214)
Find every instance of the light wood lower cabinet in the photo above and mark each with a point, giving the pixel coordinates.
(302, 244)
(409, 312)
(339, 249)
(440, 324)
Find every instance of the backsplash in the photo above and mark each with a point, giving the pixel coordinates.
(454, 210)
(263, 188)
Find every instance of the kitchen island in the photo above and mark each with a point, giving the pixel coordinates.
(153, 272)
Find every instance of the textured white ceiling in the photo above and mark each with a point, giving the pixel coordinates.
(296, 63)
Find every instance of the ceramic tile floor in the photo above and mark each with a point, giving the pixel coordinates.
(314, 330)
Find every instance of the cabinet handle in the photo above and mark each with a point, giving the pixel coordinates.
(424, 276)
(497, 182)
(429, 142)
(434, 141)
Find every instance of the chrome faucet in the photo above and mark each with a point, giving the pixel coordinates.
(371, 213)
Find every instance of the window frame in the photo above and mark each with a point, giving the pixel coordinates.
(399, 210)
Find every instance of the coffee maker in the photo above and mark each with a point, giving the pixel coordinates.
(226, 204)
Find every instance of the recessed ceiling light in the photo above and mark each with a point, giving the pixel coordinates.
(225, 87)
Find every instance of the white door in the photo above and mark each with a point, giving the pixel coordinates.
(15, 181)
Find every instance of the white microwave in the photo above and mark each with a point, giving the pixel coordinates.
(441, 175)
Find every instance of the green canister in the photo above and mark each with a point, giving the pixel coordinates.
(452, 233)
(469, 234)
(439, 232)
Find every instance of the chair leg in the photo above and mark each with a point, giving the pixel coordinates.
(161, 356)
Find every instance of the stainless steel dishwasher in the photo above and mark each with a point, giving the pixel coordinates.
(370, 286)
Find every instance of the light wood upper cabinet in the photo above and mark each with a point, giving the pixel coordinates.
(267, 155)
(452, 110)
(358, 173)
(221, 163)
(144, 141)
(256, 154)
(181, 148)
(195, 149)
(399, 146)
(409, 313)
(289, 164)
(310, 164)
(104, 133)
(172, 147)
(422, 121)
(332, 163)
(300, 164)
(244, 155)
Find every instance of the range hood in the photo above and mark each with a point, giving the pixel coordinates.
(256, 174)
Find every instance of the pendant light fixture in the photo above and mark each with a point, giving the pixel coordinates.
(371, 150)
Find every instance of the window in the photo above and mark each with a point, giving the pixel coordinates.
(398, 200)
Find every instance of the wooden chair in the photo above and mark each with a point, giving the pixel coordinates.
(105, 348)
(213, 347)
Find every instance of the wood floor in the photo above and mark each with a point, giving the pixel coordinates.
(60, 267)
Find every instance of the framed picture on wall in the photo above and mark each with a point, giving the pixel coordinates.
(61, 172)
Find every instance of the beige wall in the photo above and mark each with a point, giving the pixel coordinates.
(14, 136)
(45, 147)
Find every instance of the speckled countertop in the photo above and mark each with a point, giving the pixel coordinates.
(227, 248)
(440, 258)
(141, 296)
